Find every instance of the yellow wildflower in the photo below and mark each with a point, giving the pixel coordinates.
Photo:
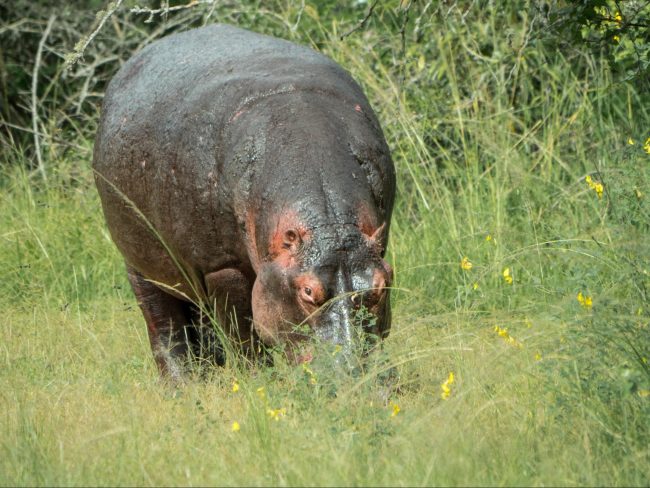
(505, 335)
(618, 17)
(337, 349)
(538, 357)
(466, 264)
(475, 286)
(595, 185)
(616, 38)
(310, 373)
(643, 393)
(235, 426)
(507, 277)
(235, 386)
(630, 141)
(488, 238)
(396, 409)
(646, 145)
(585, 300)
(276, 413)
(446, 386)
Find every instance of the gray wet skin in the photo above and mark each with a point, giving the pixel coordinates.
(262, 167)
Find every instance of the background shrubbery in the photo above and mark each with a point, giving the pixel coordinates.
(520, 133)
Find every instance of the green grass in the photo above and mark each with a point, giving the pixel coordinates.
(492, 135)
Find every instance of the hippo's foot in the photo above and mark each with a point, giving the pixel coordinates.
(174, 339)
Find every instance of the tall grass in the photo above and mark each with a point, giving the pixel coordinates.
(492, 133)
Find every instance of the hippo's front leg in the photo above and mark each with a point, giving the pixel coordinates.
(230, 290)
(167, 324)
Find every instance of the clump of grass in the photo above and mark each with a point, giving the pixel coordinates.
(537, 376)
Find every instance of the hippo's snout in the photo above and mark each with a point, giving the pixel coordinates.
(337, 328)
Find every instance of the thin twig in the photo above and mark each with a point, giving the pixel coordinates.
(361, 24)
(83, 44)
(37, 64)
(164, 11)
(402, 33)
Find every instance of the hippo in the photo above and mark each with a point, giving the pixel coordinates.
(246, 177)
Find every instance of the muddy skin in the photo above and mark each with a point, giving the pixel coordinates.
(263, 187)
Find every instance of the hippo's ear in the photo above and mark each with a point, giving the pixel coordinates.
(377, 237)
(285, 246)
(291, 240)
(287, 239)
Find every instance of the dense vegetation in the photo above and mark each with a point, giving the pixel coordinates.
(521, 329)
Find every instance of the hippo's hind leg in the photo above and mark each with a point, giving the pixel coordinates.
(168, 324)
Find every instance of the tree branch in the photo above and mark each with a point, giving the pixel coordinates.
(37, 65)
(362, 23)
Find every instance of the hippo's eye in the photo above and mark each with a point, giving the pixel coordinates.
(309, 290)
(308, 295)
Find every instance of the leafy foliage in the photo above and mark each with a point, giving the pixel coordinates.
(617, 30)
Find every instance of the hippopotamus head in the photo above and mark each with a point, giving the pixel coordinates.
(326, 281)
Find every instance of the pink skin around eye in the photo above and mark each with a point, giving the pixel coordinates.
(310, 288)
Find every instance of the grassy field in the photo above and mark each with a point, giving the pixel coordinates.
(521, 330)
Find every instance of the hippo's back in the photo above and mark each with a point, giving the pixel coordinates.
(218, 67)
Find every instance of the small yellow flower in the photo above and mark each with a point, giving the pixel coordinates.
(310, 373)
(475, 286)
(396, 409)
(643, 393)
(235, 426)
(630, 141)
(507, 277)
(646, 145)
(276, 413)
(446, 386)
(235, 386)
(488, 238)
(616, 38)
(585, 300)
(505, 335)
(337, 349)
(595, 185)
(466, 264)
(538, 357)
(618, 17)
